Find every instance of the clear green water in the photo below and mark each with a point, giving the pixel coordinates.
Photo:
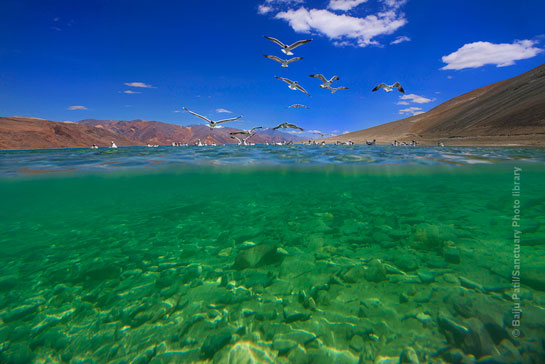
(138, 266)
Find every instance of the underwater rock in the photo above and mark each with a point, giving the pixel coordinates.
(408, 356)
(375, 271)
(258, 256)
(426, 276)
(258, 278)
(17, 354)
(213, 343)
(190, 272)
(292, 316)
(431, 237)
(283, 346)
(451, 253)
(533, 275)
(356, 343)
(406, 261)
(354, 274)
(246, 352)
(19, 313)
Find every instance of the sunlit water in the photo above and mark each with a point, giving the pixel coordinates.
(285, 254)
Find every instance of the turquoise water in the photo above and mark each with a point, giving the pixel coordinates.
(281, 254)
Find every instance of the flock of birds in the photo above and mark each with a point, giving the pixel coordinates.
(242, 137)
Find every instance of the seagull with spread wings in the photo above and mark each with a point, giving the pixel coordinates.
(325, 82)
(287, 125)
(284, 62)
(246, 132)
(295, 106)
(293, 85)
(211, 123)
(286, 49)
(335, 89)
(389, 88)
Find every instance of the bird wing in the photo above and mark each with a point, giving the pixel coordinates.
(284, 79)
(321, 77)
(302, 89)
(254, 128)
(275, 58)
(279, 126)
(237, 132)
(197, 115)
(379, 86)
(334, 78)
(298, 43)
(276, 41)
(293, 126)
(294, 59)
(226, 120)
(399, 87)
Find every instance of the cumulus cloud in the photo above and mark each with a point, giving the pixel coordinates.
(416, 99)
(77, 107)
(138, 84)
(403, 102)
(224, 111)
(400, 39)
(130, 92)
(344, 5)
(264, 9)
(342, 27)
(478, 54)
(412, 110)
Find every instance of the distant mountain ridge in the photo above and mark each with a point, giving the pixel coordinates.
(509, 112)
(20, 132)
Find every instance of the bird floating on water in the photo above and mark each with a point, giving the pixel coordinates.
(287, 125)
(284, 62)
(293, 85)
(286, 49)
(325, 82)
(113, 145)
(389, 88)
(211, 123)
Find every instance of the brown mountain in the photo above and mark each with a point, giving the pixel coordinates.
(156, 132)
(33, 133)
(509, 112)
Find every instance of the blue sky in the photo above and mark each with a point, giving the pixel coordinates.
(71, 60)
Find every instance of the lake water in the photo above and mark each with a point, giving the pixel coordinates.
(278, 254)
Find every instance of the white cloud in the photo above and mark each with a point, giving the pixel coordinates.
(78, 107)
(138, 84)
(403, 103)
(344, 5)
(416, 99)
(400, 39)
(130, 92)
(264, 9)
(177, 111)
(346, 131)
(342, 27)
(412, 110)
(224, 111)
(478, 54)
(395, 4)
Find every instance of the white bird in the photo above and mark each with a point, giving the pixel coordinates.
(211, 123)
(325, 83)
(284, 62)
(298, 105)
(389, 88)
(246, 132)
(286, 49)
(287, 125)
(113, 145)
(335, 89)
(293, 85)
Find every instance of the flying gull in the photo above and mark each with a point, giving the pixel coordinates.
(298, 105)
(293, 85)
(246, 132)
(287, 125)
(335, 89)
(286, 49)
(284, 62)
(211, 123)
(325, 83)
(389, 88)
